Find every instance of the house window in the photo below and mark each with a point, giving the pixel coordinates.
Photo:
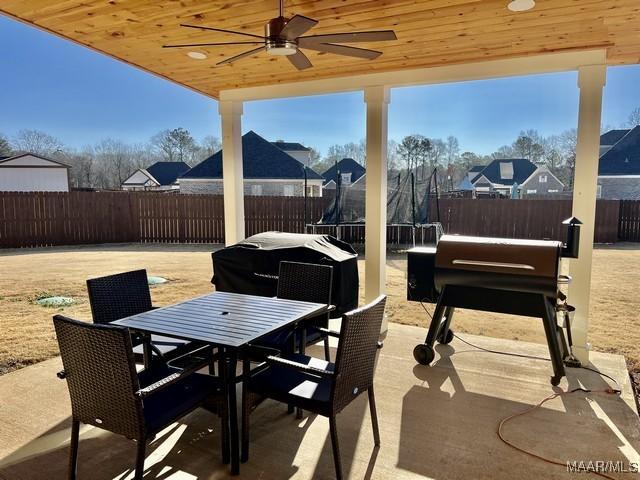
(256, 190)
(309, 190)
(506, 170)
(288, 190)
(553, 190)
(346, 178)
(532, 190)
(599, 193)
(543, 179)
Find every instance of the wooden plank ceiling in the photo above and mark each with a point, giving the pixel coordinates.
(430, 33)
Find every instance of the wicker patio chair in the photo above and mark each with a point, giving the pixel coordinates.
(106, 391)
(306, 282)
(124, 294)
(319, 386)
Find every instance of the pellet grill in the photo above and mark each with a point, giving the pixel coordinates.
(518, 277)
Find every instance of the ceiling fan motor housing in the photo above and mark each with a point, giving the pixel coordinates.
(275, 43)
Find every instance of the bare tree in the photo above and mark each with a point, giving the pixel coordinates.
(116, 163)
(552, 147)
(436, 154)
(208, 146)
(35, 141)
(505, 151)
(634, 118)
(357, 151)
(452, 149)
(568, 141)
(5, 148)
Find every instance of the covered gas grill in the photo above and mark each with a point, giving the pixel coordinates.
(251, 265)
(518, 277)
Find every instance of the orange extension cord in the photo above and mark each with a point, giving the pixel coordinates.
(609, 391)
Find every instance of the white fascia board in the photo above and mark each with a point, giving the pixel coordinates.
(525, 65)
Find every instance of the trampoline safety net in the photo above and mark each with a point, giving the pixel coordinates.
(409, 202)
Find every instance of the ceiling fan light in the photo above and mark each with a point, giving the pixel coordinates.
(281, 48)
(521, 5)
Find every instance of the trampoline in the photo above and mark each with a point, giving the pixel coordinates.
(410, 202)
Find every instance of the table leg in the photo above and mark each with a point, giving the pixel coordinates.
(224, 375)
(147, 354)
(233, 413)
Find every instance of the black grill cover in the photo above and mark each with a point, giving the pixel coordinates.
(251, 266)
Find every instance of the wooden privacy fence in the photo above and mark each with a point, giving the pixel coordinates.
(48, 218)
(629, 223)
(534, 219)
(44, 219)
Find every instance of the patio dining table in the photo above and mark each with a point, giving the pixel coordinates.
(229, 322)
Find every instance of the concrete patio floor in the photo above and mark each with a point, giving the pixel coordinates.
(436, 422)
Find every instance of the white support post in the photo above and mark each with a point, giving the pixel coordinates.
(232, 177)
(377, 100)
(591, 80)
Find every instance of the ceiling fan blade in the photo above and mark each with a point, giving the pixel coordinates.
(222, 30)
(299, 60)
(242, 55)
(297, 26)
(343, 50)
(211, 44)
(352, 37)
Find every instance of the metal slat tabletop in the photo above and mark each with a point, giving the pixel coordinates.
(222, 318)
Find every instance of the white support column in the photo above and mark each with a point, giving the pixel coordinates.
(377, 100)
(591, 80)
(232, 178)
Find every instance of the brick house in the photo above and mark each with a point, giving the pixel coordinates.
(351, 174)
(502, 175)
(267, 171)
(161, 176)
(619, 166)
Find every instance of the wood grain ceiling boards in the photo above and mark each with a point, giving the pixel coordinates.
(430, 33)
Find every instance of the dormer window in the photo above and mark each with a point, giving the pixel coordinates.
(543, 178)
(345, 178)
(506, 170)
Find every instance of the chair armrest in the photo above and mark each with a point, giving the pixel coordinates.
(163, 383)
(283, 362)
(190, 369)
(326, 331)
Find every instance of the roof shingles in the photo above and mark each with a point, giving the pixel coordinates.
(260, 159)
(167, 173)
(522, 169)
(346, 165)
(624, 157)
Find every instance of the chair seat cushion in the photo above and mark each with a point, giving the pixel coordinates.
(171, 403)
(299, 389)
(167, 345)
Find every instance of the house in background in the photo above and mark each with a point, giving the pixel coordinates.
(29, 172)
(267, 171)
(351, 173)
(161, 176)
(503, 175)
(619, 166)
(296, 150)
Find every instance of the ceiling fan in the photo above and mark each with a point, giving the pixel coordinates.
(283, 36)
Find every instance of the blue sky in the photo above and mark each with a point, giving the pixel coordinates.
(82, 97)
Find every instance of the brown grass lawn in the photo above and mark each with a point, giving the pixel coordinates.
(27, 335)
